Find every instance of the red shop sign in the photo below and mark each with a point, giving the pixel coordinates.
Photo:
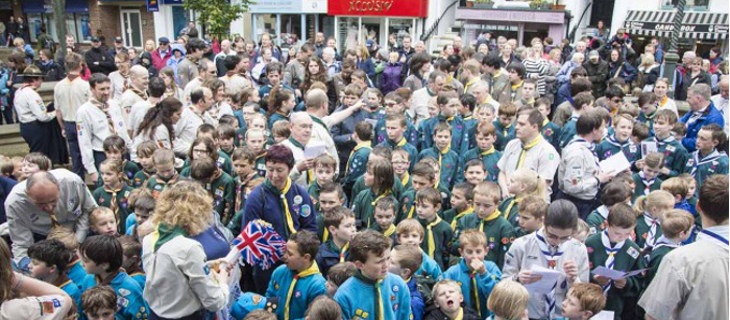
(385, 8)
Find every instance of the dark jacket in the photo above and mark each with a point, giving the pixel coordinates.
(368, 66)
(597, 74)
(625, 71)
(688, 81)
(391, 79)
(52, 71)
(99, 60)
(434, 313)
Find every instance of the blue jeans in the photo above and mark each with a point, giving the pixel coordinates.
(77, 166)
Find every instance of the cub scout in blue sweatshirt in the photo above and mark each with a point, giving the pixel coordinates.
(475, 276)
(410, 232)
(373, 293)
(485, 152)
(504, 128)
(48, 260)
(299, 281)
(582, 103)
(447, 158)
(404, 261)
(340, 224)
(447, 103)
(102, 256)
(395, 126)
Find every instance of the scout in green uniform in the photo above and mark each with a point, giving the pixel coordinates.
(116, 148)
(613, 249)
(331, 196)
(706, 160)
(227, 145)
(396, 125)
(550, 130)
(485, 151)
(145, 150)
(503, 126)
(448, 159)
(379, 177)
(676, 228)
(467, 109)
(620, 140)
(324, 172)
(385, 217)
(646, 180)
(221, 159)
(438, 232)
(423, 176)
(486, 218)
(581, 102)
(114, 193)
(219, 185)
(647, 110)
(533, 210)
(164, 161)
(401, 165)
(651, 207)
(675, 155)
(462, 198)
(358, 160)
(614, 192)
(522, 183)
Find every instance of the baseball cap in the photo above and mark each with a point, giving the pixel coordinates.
(163, 40)
(118, 40)
(370, 43)
(52, 307)
(94, 39)
(593, 53)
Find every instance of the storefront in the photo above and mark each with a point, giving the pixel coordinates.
(40, 13)
(700, 31)
(520, 24)
(170, 18)
(360, 20)
(284, 19)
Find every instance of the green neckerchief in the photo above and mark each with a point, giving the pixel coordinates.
(168, 233)
(296, 143)
(376, 292)
(318, 120)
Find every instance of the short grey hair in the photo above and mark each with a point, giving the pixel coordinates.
(702, 90)
(328, 50)
(41, 177)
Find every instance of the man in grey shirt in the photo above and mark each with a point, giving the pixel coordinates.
(188, 68)
(34, 206)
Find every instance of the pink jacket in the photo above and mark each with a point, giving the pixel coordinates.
(159, 61)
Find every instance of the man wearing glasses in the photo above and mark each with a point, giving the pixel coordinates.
(551, 247)
(162, 53)
(301, 132)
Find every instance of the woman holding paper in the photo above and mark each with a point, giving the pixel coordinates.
(174, 256)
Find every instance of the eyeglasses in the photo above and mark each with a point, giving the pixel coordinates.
(556, 238)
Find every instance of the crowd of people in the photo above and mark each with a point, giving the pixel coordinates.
(493, 181)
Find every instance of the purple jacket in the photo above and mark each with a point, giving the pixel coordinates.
(390, 80)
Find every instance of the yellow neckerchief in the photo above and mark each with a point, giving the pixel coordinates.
(517, 86)
(664, 101)
(449, 119)
(436, 185)
(460, 315)
(490, 217)
(489, 99)
(380, 298)
(488, 151)
(282, 196)
(506, 128)
(469, 117)
(475, 292)
(441, 155)
(383, 195)
(413, 209)
(389, 232)
(406, 177)
(343, 251)
(312, 270)
(545, 122)
(498, 74)
(401, 143)
(364, 144)
(459, 215)
(526, 148)
(470, 83)
(510, 205)
(431, 240)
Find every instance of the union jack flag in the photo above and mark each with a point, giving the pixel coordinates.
(259, 244)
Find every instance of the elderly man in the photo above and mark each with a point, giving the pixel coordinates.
(721, 102)
(421, 97)
(139, 79)
(34, 206)
(201, 100)
(301, 132)
(703, 112)
(220, 58)
(162, 53)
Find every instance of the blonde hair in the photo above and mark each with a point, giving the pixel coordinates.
(489, 189)
(656, 199)
(184, 204)
(472, 237)
(654, 160)
(675, 221)
(508, 300)
(408, 226)
(65, 235)
(96, 214)
(534, 185)
(676, 186)
(443, 284)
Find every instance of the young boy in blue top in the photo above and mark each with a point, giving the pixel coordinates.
(102, 256)
(331, 196)
(466, 111)
(340, 223)
(373, 293)
(438, 232)
(410, 232)
(395, 104)
(337, 275)
(358, 160)
(402, 166)
(485, 151)
(299, 281)
(447, 103)
(582, 103)
(132, 262)
(475, 275)
(404, 261)
(706, 160)
(396, 126)
(448, 159)
(48, 260)
(550, 131)
(503, 125)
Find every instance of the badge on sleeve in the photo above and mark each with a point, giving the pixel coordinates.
(306, 210)
(633, 252)
(298, 199)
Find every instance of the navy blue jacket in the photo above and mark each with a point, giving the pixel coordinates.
(711, 115)
(264, 204)
(6, 185)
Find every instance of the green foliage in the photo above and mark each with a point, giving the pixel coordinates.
(217, 15)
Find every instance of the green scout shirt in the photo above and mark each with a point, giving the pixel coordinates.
(642, 231)
(504, 134)
(702, 168)
(364, 207)
(489, 158)
(157, 184)
(442, 233)
(359, 186)
(223, 191)
(499, 233)
(408, 201)
(640, 186)
(509, 211)
(675, 155)
(448, 162)
(597, 220)
(104, 198)
(357, 163)
(141, 177)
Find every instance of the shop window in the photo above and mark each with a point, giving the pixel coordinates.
(349, 35)
(690, 4)
(400, 28)
(77, 24)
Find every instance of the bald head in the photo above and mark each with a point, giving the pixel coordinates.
(139, 77)
(316, 100)
(301, 127)
(43, 191)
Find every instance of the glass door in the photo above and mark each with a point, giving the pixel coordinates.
(132, 28)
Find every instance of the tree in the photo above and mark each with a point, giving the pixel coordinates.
(217, 15)
(59, 12)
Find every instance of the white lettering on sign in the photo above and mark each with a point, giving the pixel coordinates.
(370, 5)
(669, 27)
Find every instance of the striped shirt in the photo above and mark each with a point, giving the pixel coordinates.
(539, 67)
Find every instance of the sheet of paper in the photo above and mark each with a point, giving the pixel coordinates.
(603, 315)
(544, 285)
(314, 150)
(616, 274)
(648, 147)
(616, 163)
(373, 122)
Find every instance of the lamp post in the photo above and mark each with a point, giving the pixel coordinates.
(672, 56)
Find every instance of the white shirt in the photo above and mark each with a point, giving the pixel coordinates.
(297, 177)
(542, 158)
(322, 135)
(235, 83)
(161, 138)
(136, 115)
(189, 88)
(29, 106)
(93, 128)
(721, 104)
(129, 98)
(68, 96)
(419, 105)
(186, 129)
(118, 83)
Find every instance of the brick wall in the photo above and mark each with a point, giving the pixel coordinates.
(106, 19)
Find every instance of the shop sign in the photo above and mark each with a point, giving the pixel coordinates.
(668, 27)
(491, 27)
(314, 6)
(551, 17)
(153, 5)
(387, 8)
(276, 6)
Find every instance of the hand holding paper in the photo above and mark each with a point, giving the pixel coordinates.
(615, 274)
(546, 283)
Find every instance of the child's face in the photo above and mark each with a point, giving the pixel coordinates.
(483, 205)
(258, 123)
(692, 189)
(514, 186)
(400, 164)
(109, 176)
(29, 168)
(442, 139)
(324, 174)
(449, 109)
(165, 170)
(433, 110)
(103, 314)
(226, 143)
(375, 267)
(328, 201)
(106, 224)
(200, 151)
(650, 173)
(293, 259)
(278, 139)
(410, 238)
(40, 270)
(142, 216)
(705, 143)
(289, 104)
(369, 177)
(505, 120)
(458, 200)
(617, 234)
(472, 252)
(349, 100)
(662, 128)
(420, 182)
(571, 307)
(544, 110)
(581, 236)
(384, 218)
(426, 210)
(248, 111)
(243, 167)
(486, 114)
(331, 288)
(449, 299)
(113, 154)
(373, 101)
(256, 142)
(623, 129)
(485, 141)
(475, 175)
(529, 223)
(346, 230)
(393, 266)
(146, 163)
(274, 78)
(92, 267)
(394, 130)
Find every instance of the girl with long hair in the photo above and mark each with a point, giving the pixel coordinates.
(158, 125)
